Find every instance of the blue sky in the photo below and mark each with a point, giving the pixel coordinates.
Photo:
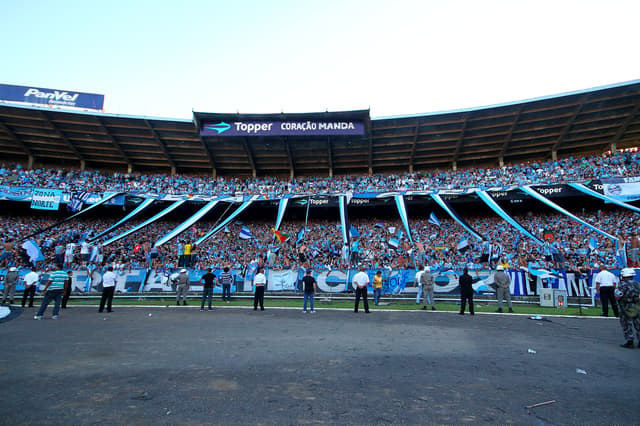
(163, 59)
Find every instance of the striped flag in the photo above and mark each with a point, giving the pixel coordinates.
(393, 242)
(433, 219)
(77, 200)
(463, 244)
(245, 233)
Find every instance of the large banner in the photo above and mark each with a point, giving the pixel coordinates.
(622, 189)
(51, 97)
(397, 282)
(46, 199)
(282, 128)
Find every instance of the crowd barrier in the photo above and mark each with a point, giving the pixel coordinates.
(395, 281)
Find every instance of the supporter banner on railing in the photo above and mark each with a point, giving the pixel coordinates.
(15, 193)
(622, 189)
(398, 282)
(605, 198)
(45, 199)
(51, 97)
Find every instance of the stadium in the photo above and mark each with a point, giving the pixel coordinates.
(543, 186)
(545, 189)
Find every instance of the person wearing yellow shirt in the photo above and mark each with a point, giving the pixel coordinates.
(187, 254)
(377, 287)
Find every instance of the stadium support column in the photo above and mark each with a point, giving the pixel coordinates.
(370, 154)
(330, 154)
(613, 147)
(554, 155)
(454, 166)
(83, 164)
(30, 162)
(501, 161)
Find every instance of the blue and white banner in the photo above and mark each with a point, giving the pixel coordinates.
(606, 198)
(33, 251)
(496, 208)
(282, 208)
(107, 197)
(15, 193)
(395, 281)
(438, 199)
(46, 199)
(344, 219)
(535, 194)
(622, 188)
(231, 217)
(145, 223)
(183, 227)
(245, 233)
(402, 210)
(143, 205)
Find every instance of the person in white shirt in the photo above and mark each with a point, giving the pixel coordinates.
(108, 288)
(606, 286)
(30, 281)
(69, 255)
(85, 252)
(260, 282)
(360, 282)
(417, 283)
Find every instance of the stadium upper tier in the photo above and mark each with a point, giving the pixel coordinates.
(566, 170)
(588, 122)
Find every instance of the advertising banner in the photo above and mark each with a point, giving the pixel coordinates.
(51, 97)
(282, 128)
(46, 199)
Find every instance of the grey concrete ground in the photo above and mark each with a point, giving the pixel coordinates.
(237, 366)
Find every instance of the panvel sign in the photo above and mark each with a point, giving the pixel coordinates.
(282, 128)
(52, 97)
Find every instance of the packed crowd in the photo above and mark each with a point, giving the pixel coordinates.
(563, 170)
(380, 243)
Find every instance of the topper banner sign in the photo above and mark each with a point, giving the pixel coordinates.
(51, 97)
(282, 128)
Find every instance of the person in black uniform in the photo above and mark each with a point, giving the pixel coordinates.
(208, 281)
(67, 289)
(466, 291)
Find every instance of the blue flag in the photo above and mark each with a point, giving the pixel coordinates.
(245, 233)
(433, 219)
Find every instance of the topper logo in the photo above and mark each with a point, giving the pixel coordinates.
(55, 95)
(220, 127)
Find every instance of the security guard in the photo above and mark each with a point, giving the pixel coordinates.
(628, 296)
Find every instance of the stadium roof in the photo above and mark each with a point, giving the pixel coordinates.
(577, 123)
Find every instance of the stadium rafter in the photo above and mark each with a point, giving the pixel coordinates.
(579, 123)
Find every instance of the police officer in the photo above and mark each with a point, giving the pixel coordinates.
(628, 296)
